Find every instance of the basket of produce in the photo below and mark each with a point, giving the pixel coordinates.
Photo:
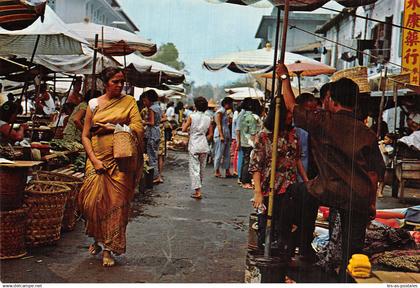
(12, 233)
(74, 183)
(45, 202)
(179, 140)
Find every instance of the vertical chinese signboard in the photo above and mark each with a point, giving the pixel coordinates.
(411, 40)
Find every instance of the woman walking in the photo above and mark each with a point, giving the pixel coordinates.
(222, 139)
(104, 199)
(153, 132)
(198, 148)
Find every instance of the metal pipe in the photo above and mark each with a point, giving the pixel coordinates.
(267, 248)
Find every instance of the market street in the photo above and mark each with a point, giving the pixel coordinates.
(170, 238)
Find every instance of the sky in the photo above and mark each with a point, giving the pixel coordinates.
(199, 30)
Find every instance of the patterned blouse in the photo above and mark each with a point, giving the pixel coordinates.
(287, 156)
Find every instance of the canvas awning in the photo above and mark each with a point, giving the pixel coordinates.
(240, 93)
(142, 72)
(56, 38)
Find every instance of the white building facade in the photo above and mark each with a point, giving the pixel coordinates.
(106, 12)
(380, 40)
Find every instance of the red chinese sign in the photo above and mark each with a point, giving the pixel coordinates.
(411, 40)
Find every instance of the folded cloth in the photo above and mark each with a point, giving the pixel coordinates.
(359, 266)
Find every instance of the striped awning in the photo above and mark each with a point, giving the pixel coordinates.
(19, 14)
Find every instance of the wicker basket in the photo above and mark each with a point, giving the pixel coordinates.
(124, 144)
(12, 190)
(12, 233)
(357, 74)
(45, 202)
(70, 211)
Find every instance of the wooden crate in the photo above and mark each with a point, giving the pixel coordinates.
(408, 170)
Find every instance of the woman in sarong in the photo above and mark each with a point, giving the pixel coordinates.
(108, 188)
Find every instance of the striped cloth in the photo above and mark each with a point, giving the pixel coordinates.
(17, 15)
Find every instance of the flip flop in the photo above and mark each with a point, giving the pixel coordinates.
(94, 249)
(198, 197)
(231, 176)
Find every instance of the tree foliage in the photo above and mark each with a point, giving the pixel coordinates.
(168, 54)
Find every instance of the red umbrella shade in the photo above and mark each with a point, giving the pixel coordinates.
(17, 15)
(306, 69)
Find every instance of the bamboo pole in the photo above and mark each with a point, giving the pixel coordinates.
(267, 248)
(381, 105)
(95, 54)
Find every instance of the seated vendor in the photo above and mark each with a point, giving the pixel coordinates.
(8, 113)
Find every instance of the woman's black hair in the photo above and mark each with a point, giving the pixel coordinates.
(201, 104)
(88, 95)
(170, 104)
(256, 107)
(227, 100)
(269, 120)
(179, 106)
(151, 95)
(109, 72)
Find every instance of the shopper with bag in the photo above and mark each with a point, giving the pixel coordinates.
(104, 199)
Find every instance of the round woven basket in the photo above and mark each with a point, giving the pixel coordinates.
(12, 233)
(357, 74)
(74, 183)
(45, 202)
(12, 190)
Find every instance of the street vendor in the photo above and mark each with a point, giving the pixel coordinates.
(75, 97)
(349, 163)
(9, 112)
(44, 101)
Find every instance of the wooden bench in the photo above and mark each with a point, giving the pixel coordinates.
(390, 277)
(408, 170)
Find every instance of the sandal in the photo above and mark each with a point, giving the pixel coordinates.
(107, 260)
(195, 196)
(247, 186)
(94, 249)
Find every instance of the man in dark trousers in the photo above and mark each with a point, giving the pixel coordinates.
(349, 164)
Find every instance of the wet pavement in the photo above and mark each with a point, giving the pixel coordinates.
(171, 238)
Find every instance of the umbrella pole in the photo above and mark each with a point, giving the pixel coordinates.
(300, 89)
(267, 248)
(95, 54)
(276, 46)
(381, 105)
(61, 106)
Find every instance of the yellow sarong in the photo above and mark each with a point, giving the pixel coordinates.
(104, 199)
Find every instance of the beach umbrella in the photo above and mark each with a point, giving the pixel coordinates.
(255, 61)
(51, 37)
(19, 14)
(115, 42)
(300, 69)
(295, 5)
